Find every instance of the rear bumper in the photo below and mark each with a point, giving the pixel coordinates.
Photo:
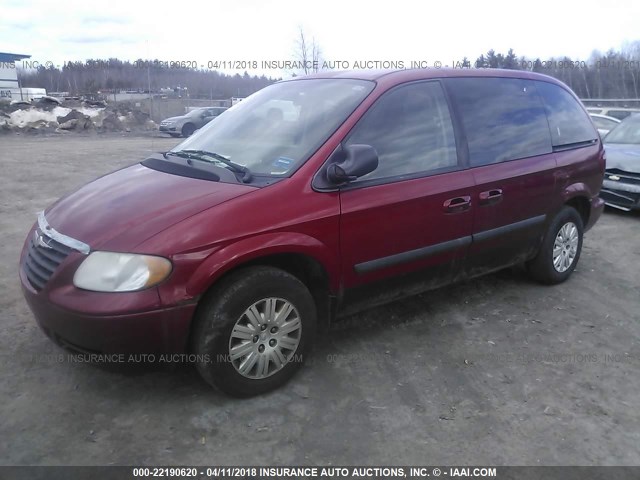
(597, 207)
(157, 331)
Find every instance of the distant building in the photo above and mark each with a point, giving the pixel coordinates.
(9, 85)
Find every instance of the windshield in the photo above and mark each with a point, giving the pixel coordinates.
(195, 113)
(281, 126)
(626, 132)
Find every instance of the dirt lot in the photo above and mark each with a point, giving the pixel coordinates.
(494, 371)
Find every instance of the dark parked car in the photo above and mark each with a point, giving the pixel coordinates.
(244, 239)
(185, 125)
(621, 186)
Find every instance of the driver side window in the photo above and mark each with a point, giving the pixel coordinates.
(410, 127)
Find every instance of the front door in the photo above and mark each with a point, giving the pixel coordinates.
(414, 212)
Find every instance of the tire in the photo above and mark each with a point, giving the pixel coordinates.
(188, 129)
(226, 338)
(567, 228)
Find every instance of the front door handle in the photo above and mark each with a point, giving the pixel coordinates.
(491, 196)
(457, 204)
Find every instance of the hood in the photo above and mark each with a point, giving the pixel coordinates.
(173, 119)
(622, 156)
(124, 208)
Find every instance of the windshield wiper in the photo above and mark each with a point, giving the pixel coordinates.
(198, 154)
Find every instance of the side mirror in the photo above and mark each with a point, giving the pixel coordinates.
(358, 160)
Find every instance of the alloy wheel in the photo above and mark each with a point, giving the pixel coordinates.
(265, 338)
(565, 247)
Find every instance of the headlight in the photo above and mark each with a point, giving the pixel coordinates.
(120, 272)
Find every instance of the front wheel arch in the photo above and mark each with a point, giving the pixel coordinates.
(309, 270)
(279, 249)
(214, 329)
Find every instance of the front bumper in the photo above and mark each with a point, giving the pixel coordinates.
(625, 196)
(168, 128)
(161, 330)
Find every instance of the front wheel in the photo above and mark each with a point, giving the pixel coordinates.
(560, 250)
(253, 330)
(188, 130)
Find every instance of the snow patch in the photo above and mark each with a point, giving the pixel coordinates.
(20, 118)
(90, 112)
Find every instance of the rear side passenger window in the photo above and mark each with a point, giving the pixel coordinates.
(503, 118)
(568, 122)
(411, 129)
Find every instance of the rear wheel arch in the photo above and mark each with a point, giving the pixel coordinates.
(577, 195)
(562, 241)
(582, 205)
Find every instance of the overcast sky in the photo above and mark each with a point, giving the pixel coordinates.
(346, 30)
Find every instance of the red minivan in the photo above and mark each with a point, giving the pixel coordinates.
(303, 201)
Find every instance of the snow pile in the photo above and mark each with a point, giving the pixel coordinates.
(48, 117)
(20, 118)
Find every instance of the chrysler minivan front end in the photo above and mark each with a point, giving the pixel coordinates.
(89, 285)
(120, 264)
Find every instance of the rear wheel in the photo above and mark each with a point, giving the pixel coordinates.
(560, 250)
(253, 331)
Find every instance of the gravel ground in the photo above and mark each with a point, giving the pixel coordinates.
(495, 371)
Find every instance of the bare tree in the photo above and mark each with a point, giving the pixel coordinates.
(308, 54)
(631, 54)
(81, 78)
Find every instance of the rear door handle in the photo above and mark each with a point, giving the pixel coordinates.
(491, 196)
(457, 204)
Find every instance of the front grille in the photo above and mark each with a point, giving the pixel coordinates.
(623, 177)
(40, 261)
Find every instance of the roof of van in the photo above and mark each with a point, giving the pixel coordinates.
(401, 76)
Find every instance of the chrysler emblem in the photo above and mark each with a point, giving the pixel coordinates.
(40, 241)
(614, 177)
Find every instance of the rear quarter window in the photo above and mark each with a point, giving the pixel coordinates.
(503, 118)
(568, 122)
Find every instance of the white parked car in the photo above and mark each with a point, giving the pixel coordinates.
(604, 123)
